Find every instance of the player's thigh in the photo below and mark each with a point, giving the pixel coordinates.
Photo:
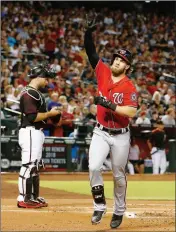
(37, 143)
(156, 159)
(24, 139)
(120, 151)
(163, 160)
(98, 151)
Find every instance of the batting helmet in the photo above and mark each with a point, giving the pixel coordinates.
(124, 54)
(42, 70)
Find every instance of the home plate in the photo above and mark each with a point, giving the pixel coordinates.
(130, 215)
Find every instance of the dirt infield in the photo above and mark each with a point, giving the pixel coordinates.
(72, 212)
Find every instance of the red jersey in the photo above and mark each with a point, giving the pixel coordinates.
(122, 93)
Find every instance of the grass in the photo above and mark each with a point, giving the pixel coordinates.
(142, 190)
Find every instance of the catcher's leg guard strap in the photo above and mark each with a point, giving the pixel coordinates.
(98, 194)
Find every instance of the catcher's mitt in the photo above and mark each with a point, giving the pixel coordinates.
(56, 119)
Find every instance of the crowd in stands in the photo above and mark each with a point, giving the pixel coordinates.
(30, 35)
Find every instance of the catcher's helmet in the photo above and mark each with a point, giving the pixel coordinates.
(124, 54)
(42, 70)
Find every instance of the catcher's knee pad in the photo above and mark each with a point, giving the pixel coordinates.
(98, 194)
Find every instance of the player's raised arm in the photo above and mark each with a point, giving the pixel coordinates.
(88, 41)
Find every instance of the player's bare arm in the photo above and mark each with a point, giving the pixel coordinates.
(149, 144)
(42, 116)
(126, 110)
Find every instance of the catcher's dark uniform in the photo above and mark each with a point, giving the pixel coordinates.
(31, 139)
(158, 151)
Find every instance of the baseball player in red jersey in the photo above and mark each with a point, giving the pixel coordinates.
(116, 103)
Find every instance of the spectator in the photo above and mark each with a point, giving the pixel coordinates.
(54, 101)
(67, 121)
(143, 107)
(142, 119)
(11, 96)
(168, 96)
(169, 118)
(55, 66)
(72, 105)
(91, 116)
(154, 118)
(35, 48)
(77, 113)
(60, 37)
(134, 157)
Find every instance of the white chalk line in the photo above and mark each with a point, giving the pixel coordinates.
(172, 205)
(75, 209)
(87, 212)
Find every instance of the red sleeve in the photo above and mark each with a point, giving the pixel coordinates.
(130, 98)
(103, 72)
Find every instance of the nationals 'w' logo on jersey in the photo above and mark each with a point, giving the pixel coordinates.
(118, 98)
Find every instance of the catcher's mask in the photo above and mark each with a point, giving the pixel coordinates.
(42, 70)
(124, 54)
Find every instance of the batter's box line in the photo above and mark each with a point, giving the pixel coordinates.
(91, 208)
(87, 212)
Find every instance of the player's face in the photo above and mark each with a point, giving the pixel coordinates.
(43, 82)
(119, 66)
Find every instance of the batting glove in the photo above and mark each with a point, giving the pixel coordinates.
(91, 22)
(105, 103)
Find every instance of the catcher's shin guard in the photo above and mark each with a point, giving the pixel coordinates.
(36, 185)
(28, 194)
(25, 181)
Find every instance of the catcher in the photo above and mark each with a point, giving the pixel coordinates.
(31, 138)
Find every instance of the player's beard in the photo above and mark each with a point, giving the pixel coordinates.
(117, 71)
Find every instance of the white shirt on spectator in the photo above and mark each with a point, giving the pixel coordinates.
(14, 106)
(142, 121)
(75, 48)
(36, 50)
(14, 52)
(108, 20)
(167, 120)
(134, 153)
(167, 99)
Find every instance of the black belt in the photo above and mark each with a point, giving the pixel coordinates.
(112, 131)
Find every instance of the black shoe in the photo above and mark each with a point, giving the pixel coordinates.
(97, 216)
(42, 201)
(116, 221)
